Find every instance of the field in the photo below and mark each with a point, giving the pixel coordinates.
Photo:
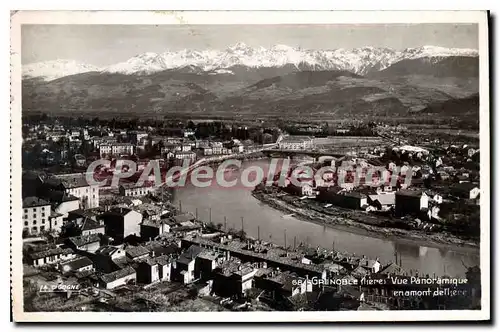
(347, 141)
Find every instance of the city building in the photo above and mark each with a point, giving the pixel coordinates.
(89, 243)
(122, 222)
(190, 155)
(410, 202)
(296, 143)
(150, 229)
(233, 278)
(117, 278)
(116, 149)
(466, 190)
(155, 269)
(78, 264)
(185, 264)
(134, 189)
(36, 214)
(136, 252)
(51, 256)
(76, 185)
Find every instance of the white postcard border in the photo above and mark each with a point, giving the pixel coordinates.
(247, 17)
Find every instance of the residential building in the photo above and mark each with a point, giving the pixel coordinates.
(105, 140)
(154, 269)
(110, 258)
(188, 132)
(91, 226)
(467, 190)
(89, 243)
(206, 262)
(190, 155)
(76, 185)
(185, 265)
(284, 285)
(136, 252)
(150, 229)
(137, 136)
(118, 278)
(233, 278)
(133, 189)
(36, 214)
(51, 256)
(116, 149)
(78, 264)
(372, 265)
(410, 202)
(296, 143)
(122, 222)
(382, 200)
(63, 204)
(342, 198)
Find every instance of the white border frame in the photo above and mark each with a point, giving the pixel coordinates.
(248, 17)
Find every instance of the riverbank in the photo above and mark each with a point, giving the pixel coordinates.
(438, 240)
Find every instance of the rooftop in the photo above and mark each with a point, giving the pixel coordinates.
(34, 201)
(50, 252)
(89, 223)
(409, 193)
(135, 252)
(79, 241)
(110, 277)
(68, 181)
(77, 263)
(191, 253)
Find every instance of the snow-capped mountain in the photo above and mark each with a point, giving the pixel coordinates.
(359, 60)
(51, 70)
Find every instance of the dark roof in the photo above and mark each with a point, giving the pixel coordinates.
(78, 263)
(392, 269)
(117, 212)
(34, 201)
(79, 241)
(107, 250)
(162, 260)
(160, 250)
(60, 196)
(183, 218)
(81, 213)
(136, 251)
(110, 277)
(409, 193)
(191, 253)
(68, 181)
(51, 252)
(89, 223)
(286, 279)
(464, 186)
(354, 194)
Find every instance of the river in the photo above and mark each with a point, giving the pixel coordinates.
(215, 203)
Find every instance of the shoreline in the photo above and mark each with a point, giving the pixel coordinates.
(436, 240)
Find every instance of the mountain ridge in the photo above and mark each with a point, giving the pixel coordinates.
(361, 61)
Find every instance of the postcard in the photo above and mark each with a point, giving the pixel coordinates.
(273, 166)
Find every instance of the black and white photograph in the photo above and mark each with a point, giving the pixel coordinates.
(240, 166)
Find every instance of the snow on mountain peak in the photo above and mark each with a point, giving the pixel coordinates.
(358, 60)
(54, 69)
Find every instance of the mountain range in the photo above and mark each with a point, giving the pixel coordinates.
(282, 82)
(360, 61)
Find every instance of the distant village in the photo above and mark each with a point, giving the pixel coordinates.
(130, 248)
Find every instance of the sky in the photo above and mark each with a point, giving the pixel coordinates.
(103, 45)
